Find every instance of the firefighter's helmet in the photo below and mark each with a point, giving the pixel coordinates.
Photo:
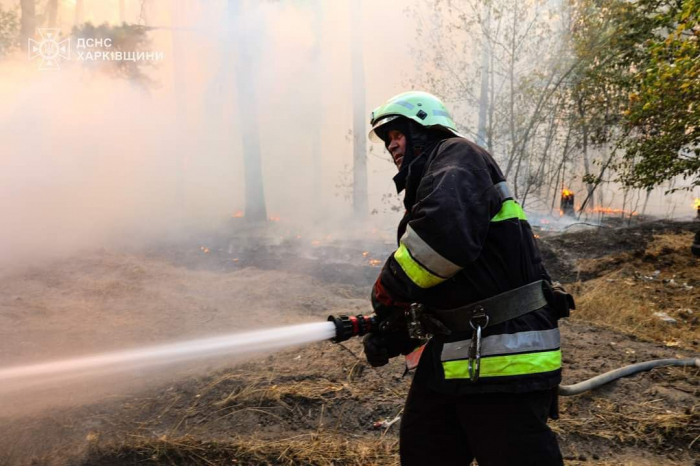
(421, 107)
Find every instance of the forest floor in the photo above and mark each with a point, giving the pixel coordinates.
(638, 290)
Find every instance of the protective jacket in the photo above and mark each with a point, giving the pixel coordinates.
(464, 239)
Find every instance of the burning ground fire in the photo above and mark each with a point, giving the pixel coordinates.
(609, 210)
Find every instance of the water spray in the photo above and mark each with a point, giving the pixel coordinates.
(336, 329)
(100, 364)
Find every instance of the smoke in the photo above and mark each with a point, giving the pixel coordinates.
(89, 160)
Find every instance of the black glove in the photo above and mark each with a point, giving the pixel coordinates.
(380, 347)
(561, 301)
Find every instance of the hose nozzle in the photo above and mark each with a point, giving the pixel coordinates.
(347, 327)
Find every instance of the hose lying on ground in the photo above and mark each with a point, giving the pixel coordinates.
(602, 379)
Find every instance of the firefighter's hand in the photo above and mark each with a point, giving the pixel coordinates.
(384, 304)
(380, 347)
(562, 301)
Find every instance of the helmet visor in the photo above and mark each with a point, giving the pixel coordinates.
(373, 136)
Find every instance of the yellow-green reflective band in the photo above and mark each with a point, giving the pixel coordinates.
(416, 272)
(501, 366)
(509, 210)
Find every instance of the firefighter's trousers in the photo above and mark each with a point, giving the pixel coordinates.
(498, 429)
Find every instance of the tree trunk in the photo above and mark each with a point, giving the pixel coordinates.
(646, 201)
(79, 12)
(28, 22)
(122, 11)
(179, 73)
(317, 111)
(584, 150)
(492, 106)
(599, 179)
(255, 210)
(52, 8)
(557, 191)
(540, 170)
(144, 14)
(359, 133)
(481, 138)
(511, 81)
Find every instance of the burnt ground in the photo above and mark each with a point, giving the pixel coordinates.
(561, 252)
(317, 404)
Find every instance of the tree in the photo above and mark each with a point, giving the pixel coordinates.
(507, 95)
(646, 81)
(663, 117)
(255, 210)
(124, 38)
(9, 30)
(122, 11)
(52, 7)
(79, 12)
(28, 22)
(359, 133)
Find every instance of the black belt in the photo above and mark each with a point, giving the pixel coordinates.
(497, 309)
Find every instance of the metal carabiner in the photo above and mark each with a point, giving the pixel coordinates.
(479, 318)
(475, 354)
(413, 314)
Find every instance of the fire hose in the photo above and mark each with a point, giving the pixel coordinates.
(356, 326)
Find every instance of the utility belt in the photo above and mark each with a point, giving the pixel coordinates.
(424, 322)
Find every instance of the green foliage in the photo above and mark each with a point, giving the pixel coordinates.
(664, 114)
(642, 89)
(9, 31)
(124, 38)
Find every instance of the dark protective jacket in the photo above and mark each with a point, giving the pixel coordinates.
(464, 239)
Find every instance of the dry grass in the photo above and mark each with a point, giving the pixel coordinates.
(306, 449)
(625, 298)
(647, 424)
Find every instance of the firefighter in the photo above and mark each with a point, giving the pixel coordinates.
(486, 381)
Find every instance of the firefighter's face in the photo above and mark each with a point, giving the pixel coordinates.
(396, 145)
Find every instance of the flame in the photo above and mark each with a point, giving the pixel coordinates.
(205, 250)
(696, 203)
(566, 193)
(365, 253)
(315, 242)
(609, 210)
(274, 218)
(238, 214)
(537, 236)
(375, 262)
